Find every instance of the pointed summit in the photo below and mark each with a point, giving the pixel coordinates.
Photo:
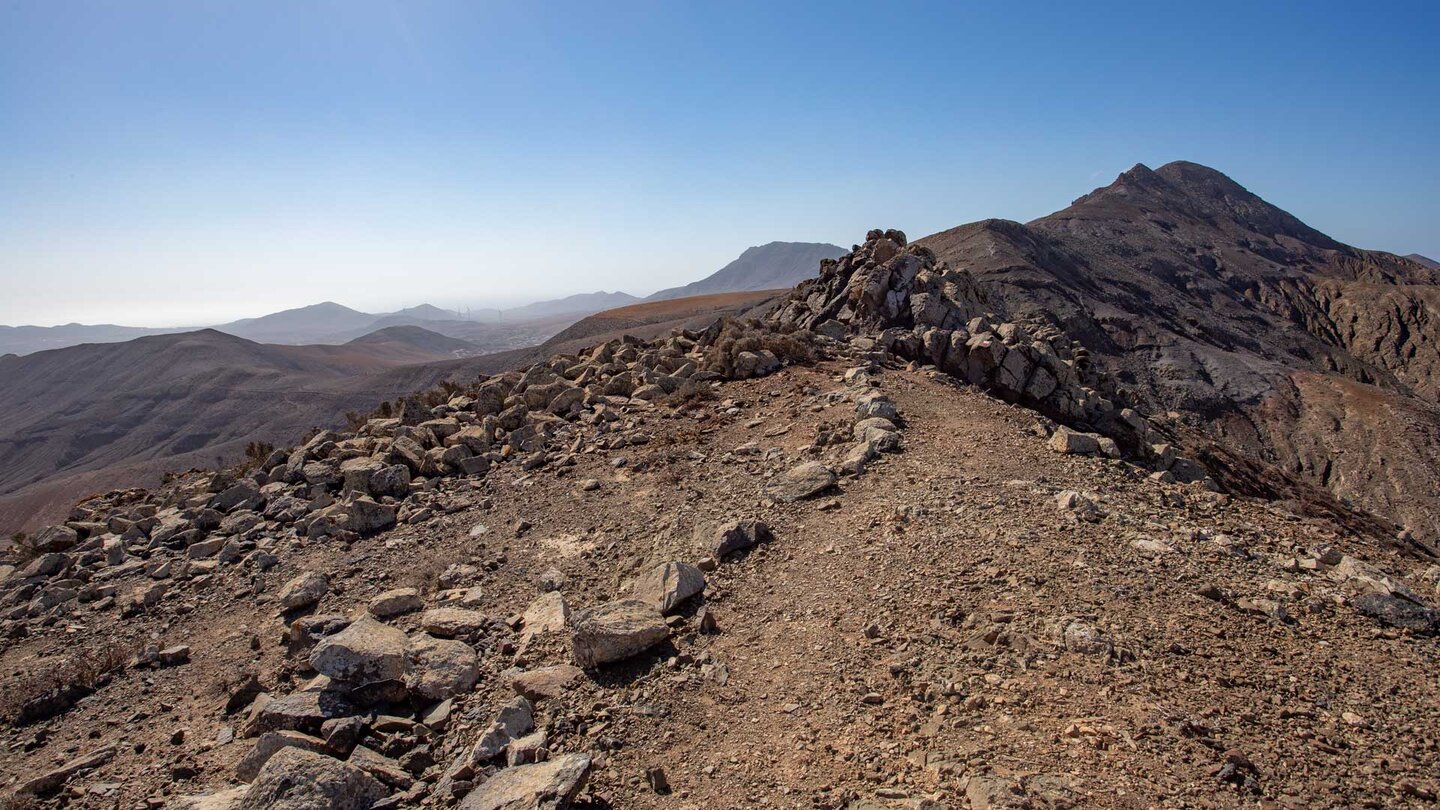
(1184, 191)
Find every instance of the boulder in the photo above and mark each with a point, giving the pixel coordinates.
(395, 602)
(270, 743)
(440, 668)
(547, 785)
(545, 683)
(1396, 612)
(453, 622)
(1069, 442)
(800, 482)
(665, 587)
(303, 711)
(296, 779)
(876, 405)
(383, 768)
(874, 428)
(615, 631)
(365, 516)
(547, 614)
(737, 535)
(303, 591)
(365, 652)
(54, 538)
(52, 780)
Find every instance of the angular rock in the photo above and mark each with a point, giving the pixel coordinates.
(303, 591)
(514, 720)
(365, 652)
(383, 768)
(738, 535)
(295, 779)
(542, 786)
(270, 743)
(615, 631)
(665, 587)
(547, 614)
(51, 781)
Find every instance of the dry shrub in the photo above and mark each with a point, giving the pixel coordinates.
(54, 689)
(790, 348)
(21, 550)
(354, 421)
(256, 453)
(423, 576)
(737, 336)
(690, 392)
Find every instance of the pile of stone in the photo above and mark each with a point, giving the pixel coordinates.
(344, 485)
(909, 304)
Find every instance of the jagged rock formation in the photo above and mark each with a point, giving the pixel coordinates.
(926, 311)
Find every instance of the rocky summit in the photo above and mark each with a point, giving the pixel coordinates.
(949, 525)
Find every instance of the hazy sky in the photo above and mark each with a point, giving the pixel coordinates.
(190, 162)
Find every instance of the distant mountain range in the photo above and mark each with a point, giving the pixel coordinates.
(776, 265)
(1425, 260)
(87, 418)
(134, 402)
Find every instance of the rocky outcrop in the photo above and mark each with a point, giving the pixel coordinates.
(898, 297)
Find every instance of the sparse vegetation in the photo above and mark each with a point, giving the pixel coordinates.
(255, 453)
(737, 337)
(46, 691)
(690, 392)
(18, 801)
(21, 551)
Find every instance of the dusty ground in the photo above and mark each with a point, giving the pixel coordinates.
(901, 640)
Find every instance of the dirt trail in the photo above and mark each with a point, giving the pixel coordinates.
(900, 643)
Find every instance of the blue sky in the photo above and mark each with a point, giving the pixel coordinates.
(190, 162)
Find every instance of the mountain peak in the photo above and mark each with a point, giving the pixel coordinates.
(1197, 179)
(1185, 190)
(772, 265)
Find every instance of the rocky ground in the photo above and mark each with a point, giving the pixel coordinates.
(854, 582)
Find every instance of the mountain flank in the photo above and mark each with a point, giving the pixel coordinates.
(765, 267)
(1197, 296)
(86, 418)
(1425, 260)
